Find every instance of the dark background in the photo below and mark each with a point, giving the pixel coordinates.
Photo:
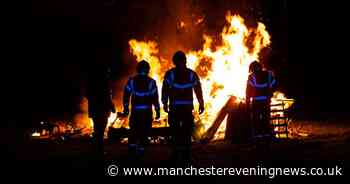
(49, 45)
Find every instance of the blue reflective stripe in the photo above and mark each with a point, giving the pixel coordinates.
(144, 93)
(253, 83)
(178, 85)
(191, 76)
(128, 88)
(273, 82)
(260, 98)
(150, 85)
(153, 91)
(183, 86)
(172, 77)
(132, 85)
(264, 85)
(193, 80)
(141, 94)
(168, 81)
(254, 79)
(142, 107)
(183, 102)
(148, 93)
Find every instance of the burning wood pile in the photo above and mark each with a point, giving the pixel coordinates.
(222, 65)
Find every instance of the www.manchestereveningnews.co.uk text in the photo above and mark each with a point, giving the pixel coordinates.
(114, 170)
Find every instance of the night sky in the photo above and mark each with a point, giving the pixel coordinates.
(52, 43)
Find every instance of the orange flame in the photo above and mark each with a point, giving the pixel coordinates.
(223, 70)
(181, 25)
(199, 20)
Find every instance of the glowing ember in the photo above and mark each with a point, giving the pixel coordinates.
(199, 21)
(36, 134)
(181, 25)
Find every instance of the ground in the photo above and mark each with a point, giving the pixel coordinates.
(312, 144)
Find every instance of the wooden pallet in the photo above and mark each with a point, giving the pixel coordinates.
(280, 119)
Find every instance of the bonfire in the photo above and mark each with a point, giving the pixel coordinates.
(222, 68)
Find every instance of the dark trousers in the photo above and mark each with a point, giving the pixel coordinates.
(140, 123)
(100, 123)
(261, 118)
(181, 123)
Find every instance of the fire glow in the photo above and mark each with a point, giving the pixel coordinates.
(223, 70)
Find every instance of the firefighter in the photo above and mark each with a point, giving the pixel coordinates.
(143, 92)
(99, 94)
(260, 87)
(177, 98)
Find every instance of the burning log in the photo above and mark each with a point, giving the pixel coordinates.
(58, 130)
(227, 108)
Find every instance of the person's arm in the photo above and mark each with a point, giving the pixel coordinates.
(272, 81)
(155, 99)
(249, 90)
(165, 92)
(199, 93)
(126, 96)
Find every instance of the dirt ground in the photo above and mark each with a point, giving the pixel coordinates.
(312, 144)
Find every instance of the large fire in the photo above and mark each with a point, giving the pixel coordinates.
(223, 68)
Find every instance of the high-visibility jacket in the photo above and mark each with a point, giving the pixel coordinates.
(143, 92)
(260, 86)
(178, 87)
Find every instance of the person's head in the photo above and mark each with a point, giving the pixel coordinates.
(143, 67)
(179, 59)
(255, 67)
